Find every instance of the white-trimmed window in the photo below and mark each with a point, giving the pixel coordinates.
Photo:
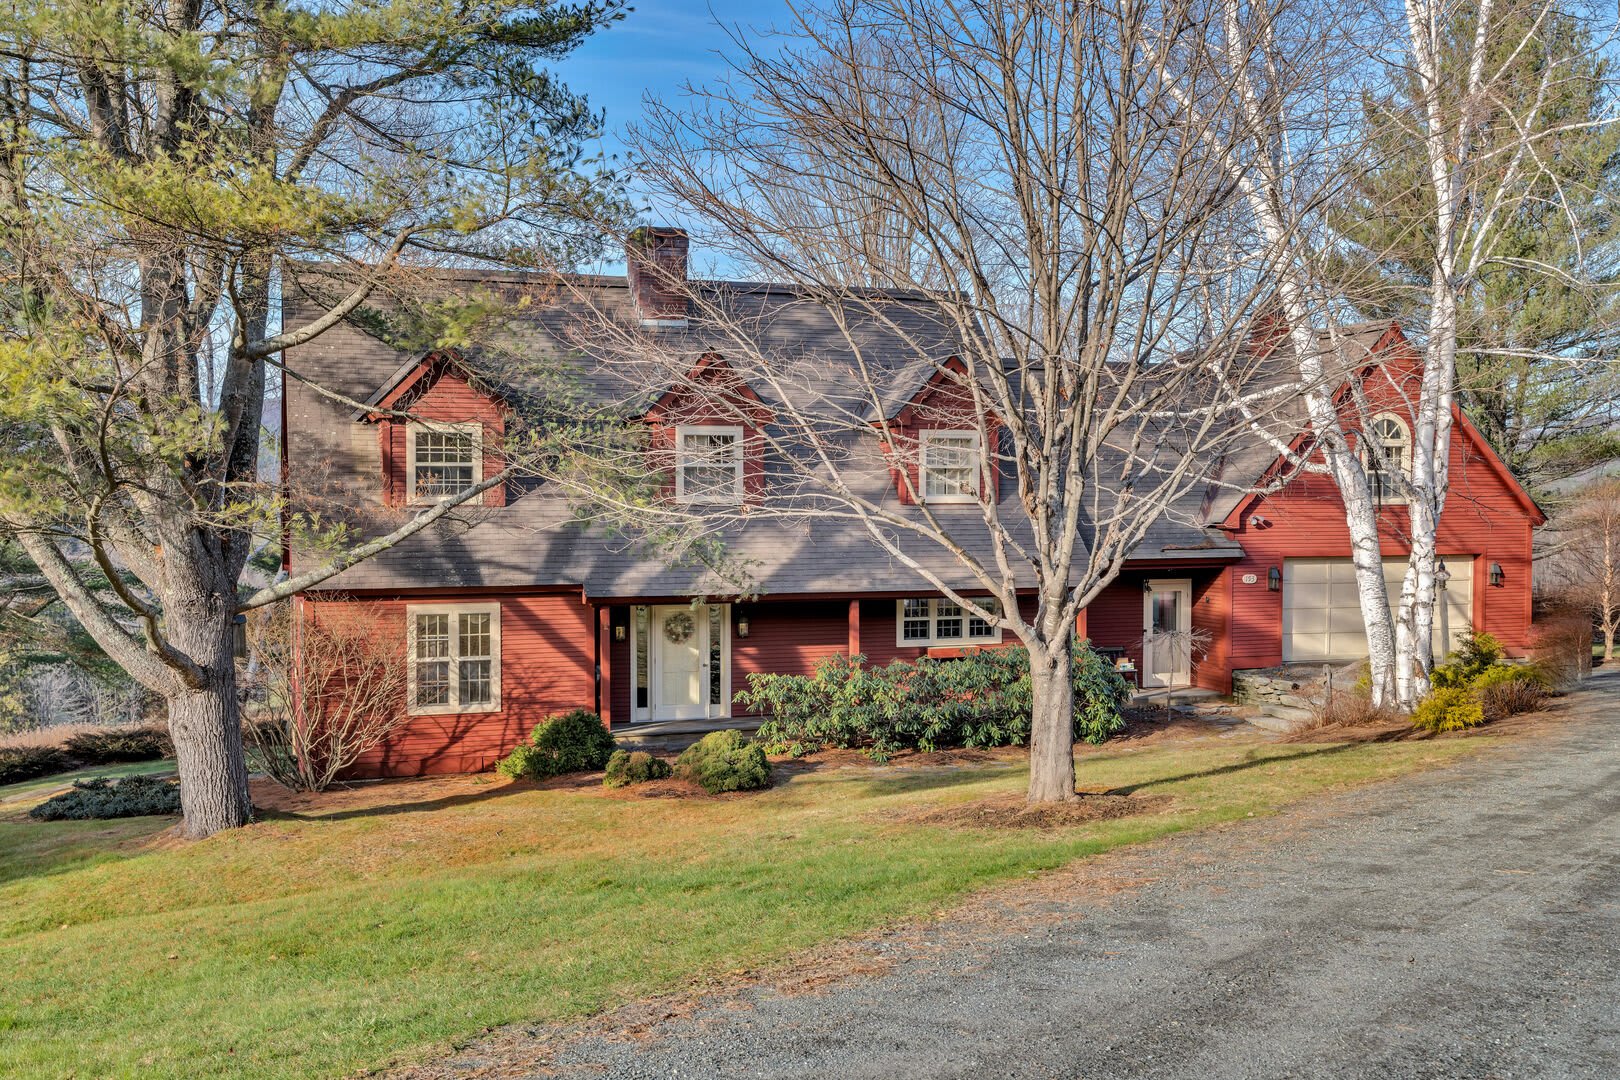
(708, 464)
(951, 466)
(1386, 450)
(443, 460)
(454, 656)
(929, 621)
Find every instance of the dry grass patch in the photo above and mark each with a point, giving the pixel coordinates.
(1011, 811)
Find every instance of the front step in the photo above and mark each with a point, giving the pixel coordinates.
(673, 736)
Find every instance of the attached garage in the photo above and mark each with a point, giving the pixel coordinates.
(1322, 615)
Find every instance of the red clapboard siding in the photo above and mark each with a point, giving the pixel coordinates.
(1212, 609)
(547, 667)
(451, 399)
(787, 639)
(1483, 520)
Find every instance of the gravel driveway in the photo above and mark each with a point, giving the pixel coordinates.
(1462, 923)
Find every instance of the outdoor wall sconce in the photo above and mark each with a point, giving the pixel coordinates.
(742, 626)
(620, 632)
(1496, 574)
(1441, 575)
(1274, 580)
(239, 648)
(1147, 586)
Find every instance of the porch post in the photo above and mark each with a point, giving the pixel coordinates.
(854, 628)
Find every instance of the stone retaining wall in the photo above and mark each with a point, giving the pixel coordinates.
(1293, 688)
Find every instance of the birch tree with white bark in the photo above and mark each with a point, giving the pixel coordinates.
(1285, 63)
(1009, 165)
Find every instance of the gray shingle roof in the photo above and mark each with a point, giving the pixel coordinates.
(538, 540)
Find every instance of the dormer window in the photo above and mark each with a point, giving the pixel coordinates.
(443, 460)
(951, 466)
(708, 464)
(1388, 456)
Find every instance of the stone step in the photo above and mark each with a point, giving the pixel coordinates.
(1281, 718)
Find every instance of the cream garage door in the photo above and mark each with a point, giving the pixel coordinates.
(1322, 616)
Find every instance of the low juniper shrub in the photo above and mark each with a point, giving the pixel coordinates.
(724, 761)
(983, 698)
(133, 796)
(19, 763)
(109, 746)
(628, 767)
(575, 741)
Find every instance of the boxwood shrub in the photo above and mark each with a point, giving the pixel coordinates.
(983, 698)
(724, 761)
(627, 767)
(569, 742)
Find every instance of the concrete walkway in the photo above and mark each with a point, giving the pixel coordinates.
(1463, 923)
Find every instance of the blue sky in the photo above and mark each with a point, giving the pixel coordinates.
(656, 50)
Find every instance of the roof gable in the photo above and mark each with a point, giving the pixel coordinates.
(711, 381)
(413, 379)
(1394, 350)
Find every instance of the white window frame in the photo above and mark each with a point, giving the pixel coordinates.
(415, 427)
(681, 495)
(1370, 437)
(934, 640)
(933, 435)
(455, 611)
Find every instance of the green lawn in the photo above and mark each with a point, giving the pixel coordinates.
(319, 944)
(31, 790)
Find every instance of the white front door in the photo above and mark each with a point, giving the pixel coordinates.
(689, 666)
(1166, 632)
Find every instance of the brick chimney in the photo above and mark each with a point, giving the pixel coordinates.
(655, 260)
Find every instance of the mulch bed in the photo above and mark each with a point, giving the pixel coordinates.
(1012, 812)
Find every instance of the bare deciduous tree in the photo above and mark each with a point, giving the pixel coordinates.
(1284, 63)
(326, 691)
(1089, 275)
(1583, 566)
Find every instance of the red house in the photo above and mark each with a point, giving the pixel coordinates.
(519, 610)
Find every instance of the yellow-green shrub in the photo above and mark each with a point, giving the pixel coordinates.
(1448, 708)
(1475, 654)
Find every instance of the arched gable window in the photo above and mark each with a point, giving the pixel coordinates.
(1386, 450)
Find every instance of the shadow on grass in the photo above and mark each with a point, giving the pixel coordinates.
(423, 806)
(1251, 761)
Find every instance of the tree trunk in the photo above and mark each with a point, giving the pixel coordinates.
(1051, 736)
(1608, 643)
(207, 733)
(204, 719)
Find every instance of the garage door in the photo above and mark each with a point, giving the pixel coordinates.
(1322, 616)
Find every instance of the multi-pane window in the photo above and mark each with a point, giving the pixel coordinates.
(454, 655)
(943, 622)
(1388, 454)
(916, 620)
(444, 460)
(709, 464)
(950, 465)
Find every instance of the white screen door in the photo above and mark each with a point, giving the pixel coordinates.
(1166, 626)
